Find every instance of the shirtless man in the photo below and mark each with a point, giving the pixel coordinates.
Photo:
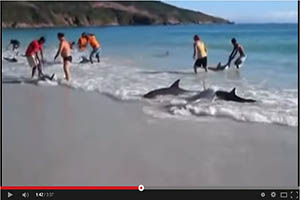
(237, 48)
(65, 51)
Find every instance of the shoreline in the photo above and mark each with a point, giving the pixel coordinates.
(62, 136)
(141, 25)
(27, 26)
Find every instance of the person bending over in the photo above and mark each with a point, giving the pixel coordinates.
(237, 48)
(96, 47)
(35, 60)
(34, 55)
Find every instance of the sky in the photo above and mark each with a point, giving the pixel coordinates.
(245, 11)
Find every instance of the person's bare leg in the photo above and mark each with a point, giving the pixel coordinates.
(67, 70)
(205, 67)
(195, 69)
(33, 71)
(40, 72)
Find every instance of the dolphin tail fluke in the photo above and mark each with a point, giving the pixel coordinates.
(175, 84)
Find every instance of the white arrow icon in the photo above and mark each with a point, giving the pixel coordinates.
(9, 194)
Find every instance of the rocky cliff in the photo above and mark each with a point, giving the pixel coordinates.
(50, 14)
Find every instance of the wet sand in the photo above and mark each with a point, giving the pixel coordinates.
(60, 136)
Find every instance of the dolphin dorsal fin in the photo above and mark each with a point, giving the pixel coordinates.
(175, 84)
(232, 91)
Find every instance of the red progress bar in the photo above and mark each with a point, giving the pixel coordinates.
(69, 188)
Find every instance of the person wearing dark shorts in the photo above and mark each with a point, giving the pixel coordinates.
(200, 54)
(68, 58)
(65, 51)
(201, 62)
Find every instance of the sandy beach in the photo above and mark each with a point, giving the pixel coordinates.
(61, 136)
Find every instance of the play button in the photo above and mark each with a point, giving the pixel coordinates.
(9, 194)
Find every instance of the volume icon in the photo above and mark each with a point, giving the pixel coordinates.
(25, 195)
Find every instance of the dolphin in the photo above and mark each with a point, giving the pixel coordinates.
(44, 77)
(174, 89)
(219, 94)
(219, 67)
(84, 60)
(10, 59)
(207, 94)
(231, 96)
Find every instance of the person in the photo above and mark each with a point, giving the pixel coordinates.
(237, 48)
(33, 58)
(200, 54)
(82, 45)
(96, 47)
(83, 42)
(65, 51)
(15, 44)
(72, 44)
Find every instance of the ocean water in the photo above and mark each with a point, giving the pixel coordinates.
(137, 59)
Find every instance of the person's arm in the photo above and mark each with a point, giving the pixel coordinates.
(195, 50)
(37, 57)
(59, 49)
(232, 55)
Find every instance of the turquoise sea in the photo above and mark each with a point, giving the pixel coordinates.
(137, 59)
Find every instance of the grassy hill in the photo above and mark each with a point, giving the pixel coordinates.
(48, 14)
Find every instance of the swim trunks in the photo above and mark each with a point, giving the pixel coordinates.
(240, 61)
(201, 62)
(68, 58)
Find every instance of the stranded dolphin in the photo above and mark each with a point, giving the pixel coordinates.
(231, 96)
(205, 94)
(44, 77)
(84, 60)
(174, 89)
(219, 94)
(10, 59)
(219, 67)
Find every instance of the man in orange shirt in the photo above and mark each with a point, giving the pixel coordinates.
(83, 42)
(96, 47)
